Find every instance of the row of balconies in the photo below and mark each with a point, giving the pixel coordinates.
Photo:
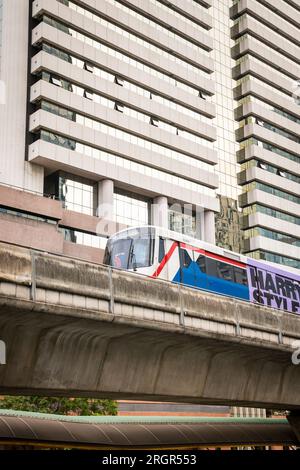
(275, 53)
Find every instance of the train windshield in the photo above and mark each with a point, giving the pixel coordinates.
(131, 249)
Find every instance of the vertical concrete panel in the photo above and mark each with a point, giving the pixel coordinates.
(209, 227)
(159, 213)
(33, 177)
(106, 199)
(1, 26)
(13, 108)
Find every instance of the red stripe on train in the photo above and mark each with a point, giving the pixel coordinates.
(214, 256)
(225, 260)
(165, 260)
(193, 248)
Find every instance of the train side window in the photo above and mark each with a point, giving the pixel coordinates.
(225, 271)
(185, 258)
(240, 276)
(211, 267)
(161, 249)
(201, 263)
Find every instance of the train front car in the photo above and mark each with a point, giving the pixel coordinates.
(132, 249)
(171, 256)
(162, 254)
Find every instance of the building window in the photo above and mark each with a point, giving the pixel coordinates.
(182, 222)
(89, 95)
(83, 238)
(63, 83)
(161, 253)
(225, 271)
(119, 81)
(282, 173)
(58, 140)
(88, 67)
(119, 107)
(76, 193)
(267, 256)
(185, 258)
(26, 215)
(201, 263)
(272, 213)
(272, 128)
(240, 275)
(154, 121)
(251, 141)
(131, 209)
(272, 169)
(54, 109)
(56, 81)
(278, 236)
(263, 166)
(271, 190)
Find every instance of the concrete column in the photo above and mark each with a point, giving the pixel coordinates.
(294, 421)
(209, 227)
(105, 207)
(199, 223)
(159, 212)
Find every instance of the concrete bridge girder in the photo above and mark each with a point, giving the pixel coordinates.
(77, 329)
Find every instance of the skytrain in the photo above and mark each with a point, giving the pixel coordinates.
(163, 254)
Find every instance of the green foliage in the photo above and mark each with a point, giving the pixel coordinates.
(60, 405)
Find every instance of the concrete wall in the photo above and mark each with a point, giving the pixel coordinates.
(19, 228)
(14, 58)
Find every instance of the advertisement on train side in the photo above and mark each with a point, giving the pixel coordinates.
(273, 287)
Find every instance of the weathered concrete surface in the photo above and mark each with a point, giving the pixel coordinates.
(79, 329)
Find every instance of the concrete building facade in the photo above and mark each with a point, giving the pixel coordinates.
(267, 70)
(117, 113)
(112, 117)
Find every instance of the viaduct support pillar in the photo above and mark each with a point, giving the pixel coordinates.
(294, 420)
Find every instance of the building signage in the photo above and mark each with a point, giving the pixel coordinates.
(272, 287)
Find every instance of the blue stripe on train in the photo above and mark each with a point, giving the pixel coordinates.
(194, 277)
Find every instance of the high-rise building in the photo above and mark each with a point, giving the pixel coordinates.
(109, 111)
(267, 70)
(168, 112)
